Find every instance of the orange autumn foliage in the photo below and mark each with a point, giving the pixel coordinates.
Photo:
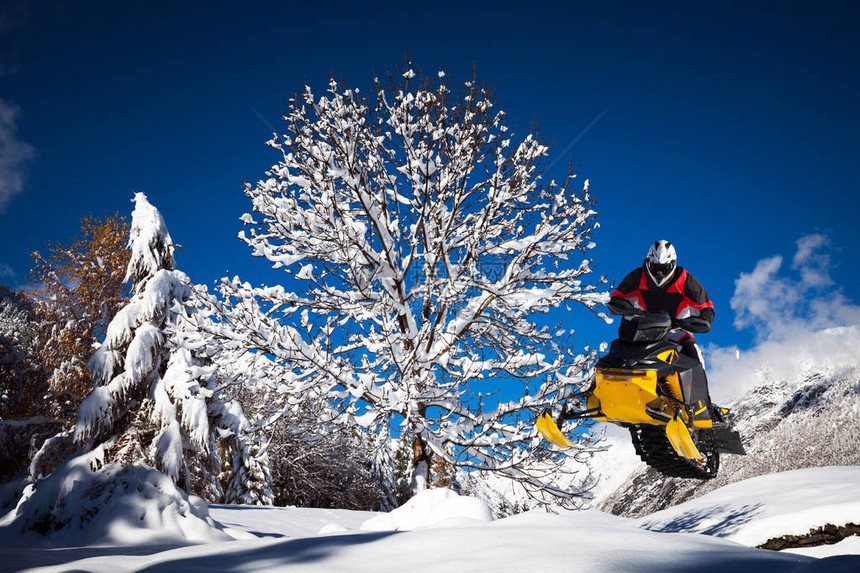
(77, 289)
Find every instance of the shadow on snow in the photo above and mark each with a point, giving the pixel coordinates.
(292, 552)
(717, 521)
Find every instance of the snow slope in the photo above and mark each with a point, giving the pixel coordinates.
(756, 510)
(440, 531)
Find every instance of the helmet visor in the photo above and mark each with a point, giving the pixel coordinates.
(659, 271)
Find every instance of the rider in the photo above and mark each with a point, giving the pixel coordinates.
(661, 286)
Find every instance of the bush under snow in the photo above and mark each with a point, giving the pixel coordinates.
(75, 506)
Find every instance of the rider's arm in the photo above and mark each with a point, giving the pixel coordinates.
(700, 309)
(695, 324)
(626, 299)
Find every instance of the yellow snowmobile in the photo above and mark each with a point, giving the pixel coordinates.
(646, 385)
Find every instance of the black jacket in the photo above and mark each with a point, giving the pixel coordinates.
(682, 297)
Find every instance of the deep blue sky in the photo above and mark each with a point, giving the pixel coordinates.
(731, 130)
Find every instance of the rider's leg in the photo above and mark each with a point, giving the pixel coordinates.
(689, 347)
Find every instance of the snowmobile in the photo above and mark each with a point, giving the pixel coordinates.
(646, 385)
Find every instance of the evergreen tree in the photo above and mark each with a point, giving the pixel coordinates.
(156, 398)
(403, 469)
(383, 467)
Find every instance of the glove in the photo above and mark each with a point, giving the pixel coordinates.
(622, 306)
(695, 324)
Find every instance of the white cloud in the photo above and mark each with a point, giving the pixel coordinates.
(812, 260)
(802, 321)
(6, 271)
(762, 296)
(777, 304)
(732, 372)
(15, 155)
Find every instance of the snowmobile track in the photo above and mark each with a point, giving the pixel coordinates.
(653, 447)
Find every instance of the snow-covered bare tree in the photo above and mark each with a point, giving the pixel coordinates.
(157, 397)
(424, 246)
(23, 381)
(27, 405)
(333, 471)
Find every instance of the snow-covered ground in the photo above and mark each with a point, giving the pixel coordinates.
(440, 531)
(756, 510)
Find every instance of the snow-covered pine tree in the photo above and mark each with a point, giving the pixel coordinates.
(156, 398)
(403, 466)
(430, 245)
(383, 468)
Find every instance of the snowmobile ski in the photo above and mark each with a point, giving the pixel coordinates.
(550, 430)
(681, 440)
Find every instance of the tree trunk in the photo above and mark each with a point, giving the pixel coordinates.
(421, 461)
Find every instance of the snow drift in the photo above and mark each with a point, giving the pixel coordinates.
(117, 505)
(432, 508)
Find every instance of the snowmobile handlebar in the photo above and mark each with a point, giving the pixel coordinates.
(695, 324)
(625, 308)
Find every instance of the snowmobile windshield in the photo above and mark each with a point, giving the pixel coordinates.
(644, 328)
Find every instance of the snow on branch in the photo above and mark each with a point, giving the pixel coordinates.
(150, 243)
(429, 242)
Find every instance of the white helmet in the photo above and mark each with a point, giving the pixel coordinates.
(660, 262)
